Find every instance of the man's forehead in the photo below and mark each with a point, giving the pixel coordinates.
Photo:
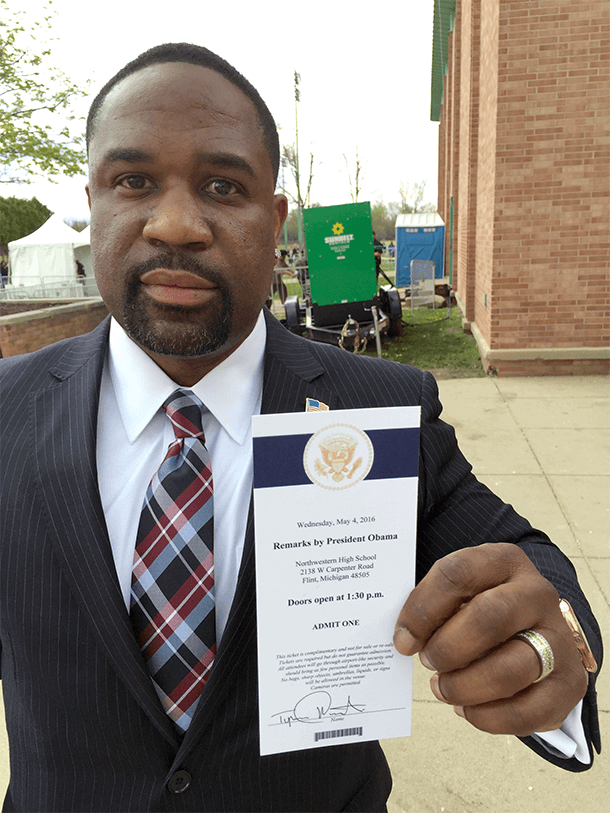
(177, 89)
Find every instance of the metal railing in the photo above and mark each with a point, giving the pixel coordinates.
(50, 288)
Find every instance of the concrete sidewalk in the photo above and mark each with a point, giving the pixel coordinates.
(542, 444)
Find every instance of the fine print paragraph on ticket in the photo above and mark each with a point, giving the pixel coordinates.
(335, 503)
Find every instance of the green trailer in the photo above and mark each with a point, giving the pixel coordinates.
(341, 300)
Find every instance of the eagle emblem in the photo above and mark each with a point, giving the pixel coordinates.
(337, 453)
(338, 456)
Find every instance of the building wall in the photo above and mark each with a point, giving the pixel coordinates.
(485, 177)
(27, 331)
(466, 222)
(527, 160)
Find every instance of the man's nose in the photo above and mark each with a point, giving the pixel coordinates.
(177, 219)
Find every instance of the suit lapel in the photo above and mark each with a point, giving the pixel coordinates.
(292, 373)
(63, 424)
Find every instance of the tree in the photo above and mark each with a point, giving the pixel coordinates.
(383, 220)
(290, 159)
(292, 227)
(33, 96)
(19, 217)
(355, 180)
(412, 197)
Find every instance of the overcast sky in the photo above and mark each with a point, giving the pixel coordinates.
(365, 79)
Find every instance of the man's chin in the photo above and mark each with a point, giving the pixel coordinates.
(179, 332)
(179, 342)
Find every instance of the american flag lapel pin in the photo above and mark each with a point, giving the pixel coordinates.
(313, 405)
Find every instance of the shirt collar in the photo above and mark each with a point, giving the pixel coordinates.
(232, 391)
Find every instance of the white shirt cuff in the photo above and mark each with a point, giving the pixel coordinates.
(569, 740)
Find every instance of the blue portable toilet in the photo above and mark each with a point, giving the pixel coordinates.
(419, 237)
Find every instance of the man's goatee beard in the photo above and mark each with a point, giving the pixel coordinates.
(178, 335)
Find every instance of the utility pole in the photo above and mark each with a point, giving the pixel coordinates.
(297, 99)
(283, 165)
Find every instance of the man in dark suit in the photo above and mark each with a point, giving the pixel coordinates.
(183, 159)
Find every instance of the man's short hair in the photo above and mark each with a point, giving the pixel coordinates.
(194, 55)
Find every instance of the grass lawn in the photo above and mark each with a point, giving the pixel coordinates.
(429, 339)
(433, 342)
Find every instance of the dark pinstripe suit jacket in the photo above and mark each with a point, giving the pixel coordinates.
(86, 729)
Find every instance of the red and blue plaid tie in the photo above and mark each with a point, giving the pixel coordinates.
(172, 589)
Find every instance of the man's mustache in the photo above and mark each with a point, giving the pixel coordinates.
(179, 261)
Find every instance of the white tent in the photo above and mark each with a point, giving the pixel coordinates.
(45, 255)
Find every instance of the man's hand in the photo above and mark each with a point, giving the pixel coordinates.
(462, 617)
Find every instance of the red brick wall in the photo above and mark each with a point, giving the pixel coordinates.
(551, 282)
(486, 168)
(527, 158)
(12, 306)
(466, 221)
(25, 332)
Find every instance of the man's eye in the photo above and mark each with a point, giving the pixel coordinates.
(222, 188)
(134, 182)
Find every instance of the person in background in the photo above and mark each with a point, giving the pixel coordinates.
(281, 267)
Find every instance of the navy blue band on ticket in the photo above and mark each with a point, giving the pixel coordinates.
(278, 460)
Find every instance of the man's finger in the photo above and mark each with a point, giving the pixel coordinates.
(488, 620)
(498, 692)
(452, 581)
(542, 706)
(501, 674)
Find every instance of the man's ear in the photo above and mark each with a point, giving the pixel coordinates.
(281, 213)
(88, 196)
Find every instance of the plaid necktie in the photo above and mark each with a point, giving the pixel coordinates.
(172, 588)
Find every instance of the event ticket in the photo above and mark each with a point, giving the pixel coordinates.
(335, 500)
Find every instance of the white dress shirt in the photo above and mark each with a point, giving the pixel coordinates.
(134, 433)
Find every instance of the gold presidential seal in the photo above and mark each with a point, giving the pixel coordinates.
(338, 456)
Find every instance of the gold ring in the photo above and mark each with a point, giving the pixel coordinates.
(542, 648)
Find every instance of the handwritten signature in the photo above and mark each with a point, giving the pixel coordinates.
(318, 706)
